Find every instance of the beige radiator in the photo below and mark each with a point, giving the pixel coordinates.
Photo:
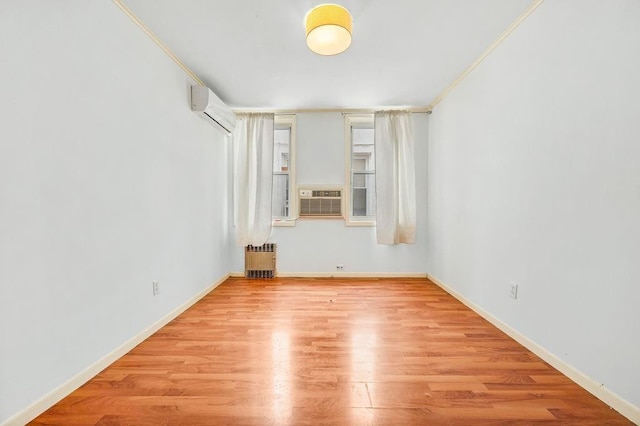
(260, 261)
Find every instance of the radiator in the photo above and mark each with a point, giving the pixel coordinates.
(260, 261)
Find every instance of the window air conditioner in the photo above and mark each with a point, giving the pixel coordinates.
(211, 107)
(320, 202)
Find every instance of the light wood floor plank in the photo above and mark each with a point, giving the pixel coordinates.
(329, 351)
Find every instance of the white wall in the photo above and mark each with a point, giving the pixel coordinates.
(107, 182)
(319, 245)
(534, 178)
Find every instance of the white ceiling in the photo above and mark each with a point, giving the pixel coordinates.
(252, 53)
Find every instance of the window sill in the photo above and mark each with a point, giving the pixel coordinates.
(352, 222)
(283, 222)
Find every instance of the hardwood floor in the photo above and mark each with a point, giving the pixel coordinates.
(329, 352)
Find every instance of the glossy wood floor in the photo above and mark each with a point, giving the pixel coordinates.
(329, 352)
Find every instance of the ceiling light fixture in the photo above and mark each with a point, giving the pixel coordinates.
(328, 29)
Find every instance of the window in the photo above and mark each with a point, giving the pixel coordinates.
(360, 194)
(283, 195)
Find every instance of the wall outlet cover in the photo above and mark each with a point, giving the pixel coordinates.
(513, 290)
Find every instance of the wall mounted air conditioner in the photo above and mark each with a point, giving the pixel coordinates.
(320, 203)
(211, 107)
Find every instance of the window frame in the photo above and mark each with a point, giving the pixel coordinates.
(351, 121)
(283, 121)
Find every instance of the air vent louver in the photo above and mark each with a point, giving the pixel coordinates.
(320, 203)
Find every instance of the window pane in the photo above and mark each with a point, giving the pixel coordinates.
(281, 139)
(364, 194)
(359, 164)
(363, 153)
(280, 192)
(280, 195)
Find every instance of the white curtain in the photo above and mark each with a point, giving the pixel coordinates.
(395, 178)
(252, 177)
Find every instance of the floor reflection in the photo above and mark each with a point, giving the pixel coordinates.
(281, 360)
(364, 342)
(364, 339)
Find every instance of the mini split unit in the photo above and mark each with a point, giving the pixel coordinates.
(211, 108)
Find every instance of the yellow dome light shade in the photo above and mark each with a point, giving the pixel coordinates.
(328, 29)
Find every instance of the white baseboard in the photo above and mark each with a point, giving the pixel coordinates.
(343, 274)
(50, 399)
(619, 404)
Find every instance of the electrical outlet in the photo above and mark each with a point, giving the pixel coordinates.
(513, 290)
(339, 267)
(156, 288)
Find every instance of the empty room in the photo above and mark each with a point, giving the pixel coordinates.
(287, 212)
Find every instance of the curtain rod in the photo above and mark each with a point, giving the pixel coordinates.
(416, 109)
